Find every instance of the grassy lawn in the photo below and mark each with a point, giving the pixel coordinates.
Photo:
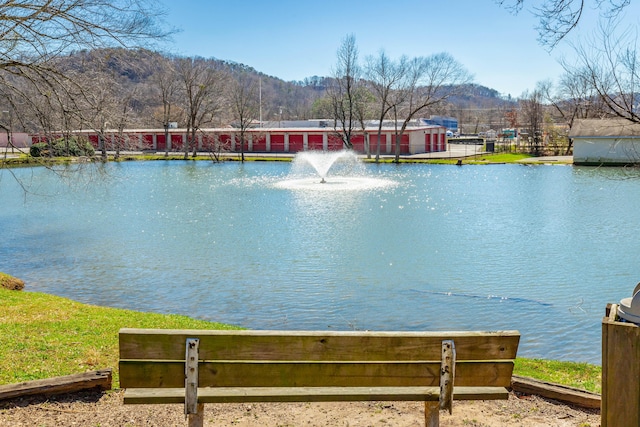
(584, 376)
(480, 159)
(44, 336)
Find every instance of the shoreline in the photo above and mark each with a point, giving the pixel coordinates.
(106, 408)
(52, 319)
(454, 157)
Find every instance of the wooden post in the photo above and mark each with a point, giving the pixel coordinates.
(447, 374)
(432, 414)
(620, 372)
(197, 420)
(191, 407)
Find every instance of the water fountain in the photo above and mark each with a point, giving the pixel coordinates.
(322, 161)
(335, 170)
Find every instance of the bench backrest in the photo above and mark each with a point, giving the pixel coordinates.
(152, 358)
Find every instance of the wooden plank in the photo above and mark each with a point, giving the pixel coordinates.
(310, 345)
(58, 385)
(557, 392)
(134, 373)
(310, 394)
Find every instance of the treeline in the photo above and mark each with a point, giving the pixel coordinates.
(116, 87)
(109, 90)
(108, 84)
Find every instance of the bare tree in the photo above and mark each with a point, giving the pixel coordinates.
(35, 33)
(122, 119)
(363, 111)
(384, 76)
(244, 104)
(43, 106)
(343, 91)
(166, 83)
(427, 83)
(37, 108)
(202, 88)
(573, 98)
(609, 64)
(557, 18)
(532, 109)
(100, 109)
(577, 99)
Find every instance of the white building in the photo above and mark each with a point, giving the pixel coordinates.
(605, 142)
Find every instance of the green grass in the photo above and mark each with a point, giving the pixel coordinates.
(485, 159)
(575, 374)
(44, 336)
(496, 158)
(489, 158)
(480, 159)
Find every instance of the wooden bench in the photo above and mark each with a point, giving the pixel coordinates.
(194, 367)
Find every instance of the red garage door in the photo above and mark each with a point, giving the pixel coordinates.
(259, 143)
(296, 143)
(315, 142)
(147, 142)
(176, 142)
(334, 143)
(277, 143)
(373, 141)
(358, 143)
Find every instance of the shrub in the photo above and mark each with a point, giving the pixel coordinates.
(63, 147)
(39, 149)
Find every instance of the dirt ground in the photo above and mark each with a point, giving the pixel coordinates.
(98, 409)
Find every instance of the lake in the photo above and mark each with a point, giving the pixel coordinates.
(541, 249)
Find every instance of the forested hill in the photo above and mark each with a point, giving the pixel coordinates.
(134, 71)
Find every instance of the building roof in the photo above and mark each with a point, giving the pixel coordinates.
(604, 128)
(276, 130)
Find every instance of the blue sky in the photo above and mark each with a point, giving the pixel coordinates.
(297, 39)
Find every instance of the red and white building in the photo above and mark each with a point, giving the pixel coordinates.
(415, 140)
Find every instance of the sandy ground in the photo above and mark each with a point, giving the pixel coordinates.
(98, 409)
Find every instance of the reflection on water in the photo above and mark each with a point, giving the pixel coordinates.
(540, 249)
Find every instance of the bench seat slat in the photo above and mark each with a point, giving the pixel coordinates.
(309, 394)
(315, 345)
(150, 374)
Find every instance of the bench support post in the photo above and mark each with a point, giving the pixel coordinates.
(192, 409)
(447, 374)
(432, 414)
(197, 420)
